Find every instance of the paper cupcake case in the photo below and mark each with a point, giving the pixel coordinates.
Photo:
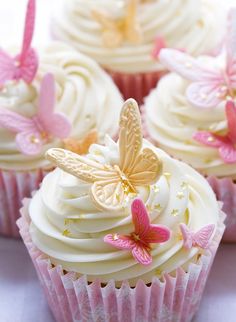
(224, 188)
(14, 186)
(73, 299)
(136, 86)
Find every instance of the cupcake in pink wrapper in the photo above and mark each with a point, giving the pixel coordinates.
(126, 36)
(192, 116)
(47, 100)
(124, 233)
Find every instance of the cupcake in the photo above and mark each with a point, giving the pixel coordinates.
(124, 233)
(41, 85)
(126, 36)
(192, 116)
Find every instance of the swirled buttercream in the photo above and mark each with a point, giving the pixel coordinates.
(196, 26)
(85, 94)
(68, 226)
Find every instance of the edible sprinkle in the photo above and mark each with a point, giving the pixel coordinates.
(175, 212)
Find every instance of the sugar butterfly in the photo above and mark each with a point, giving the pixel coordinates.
(201, 238)
(209, 86)
(24, 65)
(32, 133)
(111, 184)
(226, 144)
(115, 31)
(144, 234)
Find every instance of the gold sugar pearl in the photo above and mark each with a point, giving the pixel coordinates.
(66, 232)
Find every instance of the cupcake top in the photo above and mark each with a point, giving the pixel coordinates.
(78, 83)
(123, 35)
(126, 210)
(191, 114)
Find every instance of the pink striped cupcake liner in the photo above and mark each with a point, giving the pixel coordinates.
(136, 86)
(15, 186)
(173, 298)
(224, 188)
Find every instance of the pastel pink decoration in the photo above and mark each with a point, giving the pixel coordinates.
(24, 65)
(159, 44)
(209, 86)
(145, 234)
(225, 144)
(32, 133)
(199, 239)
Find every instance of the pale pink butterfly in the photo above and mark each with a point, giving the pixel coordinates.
(32, 133)
(209, 85)
(24, 65)
(159, 44)
(226, 144)
(199, 239)
(144, 234)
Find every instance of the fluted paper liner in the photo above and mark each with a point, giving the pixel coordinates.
(136, 86)
(175, 297)
(14, 186)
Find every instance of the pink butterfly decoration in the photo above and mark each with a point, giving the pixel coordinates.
(32, 133)
(199, 239)
(209, 86)
(159, 44)
(24, 65)
(225, 144)
(145, 233)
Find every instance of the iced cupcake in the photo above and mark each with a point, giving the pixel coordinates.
(125, 233)
(192, 116)
(33, 87)
(126, 36)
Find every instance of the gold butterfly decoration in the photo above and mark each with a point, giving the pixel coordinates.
(116, 31)
(112, 184)
(81, 146)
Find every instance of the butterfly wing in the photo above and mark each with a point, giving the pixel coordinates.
(230, 110)
(159, 44)
(142, 255)
(208, 139)
(119, 241)
(109, 194)
(187, 236)
(231, 48)
(7, 68)
(29, 143)
(111, 35)
(133, 31)
(28, 58)
(157, 234)
(141, 168)
(54, 123)
(14, 122)
(207, 94)
(202, 237)
(185, 65)
(228, 153)
(81, 146)
(140, 218)
(81, 167)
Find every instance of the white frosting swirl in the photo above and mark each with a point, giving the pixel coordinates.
(63, 196)
(171, 121)
(85, 94)
(195, 25)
